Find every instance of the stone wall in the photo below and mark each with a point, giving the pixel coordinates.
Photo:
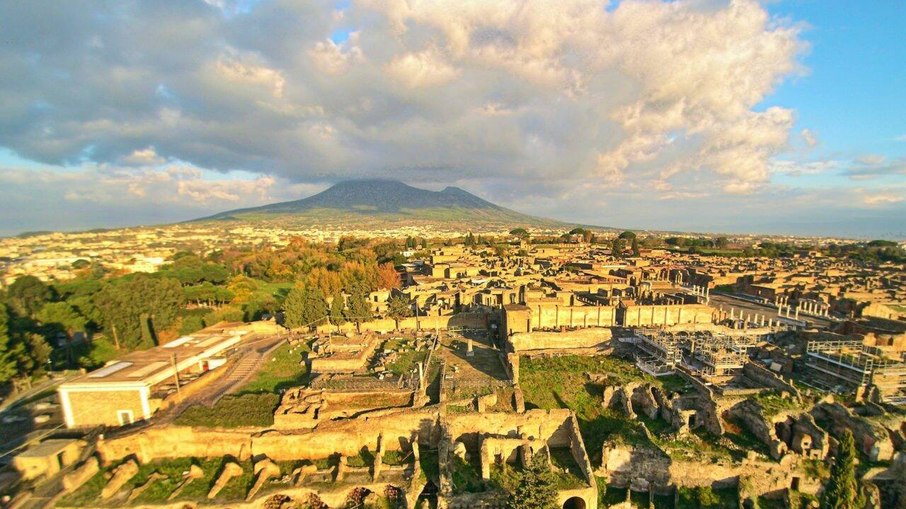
(642, 316)
(553, 316)
(345, 437)
(581, 338)
(540, 424)
(872, 439)
(176, 442)
(768, 378)
(384, 325)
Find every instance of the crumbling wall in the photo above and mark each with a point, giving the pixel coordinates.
(344, 437)
(540, 424)
(871, 438)
(176, 442)
(768, 378)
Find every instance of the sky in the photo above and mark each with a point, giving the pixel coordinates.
(780, 117)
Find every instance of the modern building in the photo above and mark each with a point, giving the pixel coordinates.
(135, 386)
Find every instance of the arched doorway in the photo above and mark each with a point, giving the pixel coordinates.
(574, 503)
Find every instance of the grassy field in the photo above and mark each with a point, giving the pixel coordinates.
(233, 412)
(406, 359)
(285, 368)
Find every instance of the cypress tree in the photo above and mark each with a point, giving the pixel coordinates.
(842, 489)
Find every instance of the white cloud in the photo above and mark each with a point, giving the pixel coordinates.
(809, 137)
(422, 69)
(882, 198)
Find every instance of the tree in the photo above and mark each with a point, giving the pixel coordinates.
(123, 303)
(617, 246)
(628, 235)
(842, 489)
(337, 306)
(358, 308)
(635, 247)
(60, 318)
(388, 277)
(398, 307)
(722, 242)
(304, 307)
(522, 233)
(27, 295)
(8, 350)
(534, 487)
(587, 235)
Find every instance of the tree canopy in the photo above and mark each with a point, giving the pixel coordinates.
(129, 303)
(534, 488)
(305, 307)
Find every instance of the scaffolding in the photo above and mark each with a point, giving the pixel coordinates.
(663, 347)
(852, 365)
(720, 357)
(712, 354)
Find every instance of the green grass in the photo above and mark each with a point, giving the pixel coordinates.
(770, 503)
(396, 458)
(674, 383)
(773, 403)
(560, 382)
(612, 496)
(364, 458)
(284, 369)
(707, 498)
(466, 478)
(405, 358)
(699, 445)
(233, 411)
(89, 493)
(567, 474)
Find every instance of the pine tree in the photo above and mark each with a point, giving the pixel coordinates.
(842, 489)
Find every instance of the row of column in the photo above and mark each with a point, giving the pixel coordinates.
(756, 319)
(807, 307)
(814, 308)
(701, 291)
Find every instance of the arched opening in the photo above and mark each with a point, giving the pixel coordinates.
(574, 503)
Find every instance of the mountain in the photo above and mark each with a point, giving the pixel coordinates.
(367, 201)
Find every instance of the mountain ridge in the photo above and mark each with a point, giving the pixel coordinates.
(388, 199)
